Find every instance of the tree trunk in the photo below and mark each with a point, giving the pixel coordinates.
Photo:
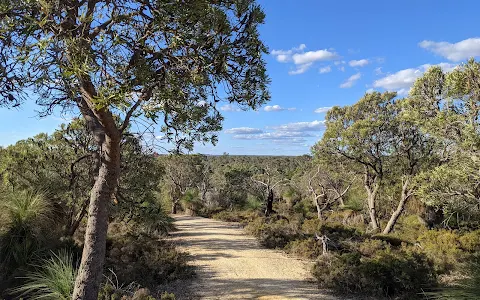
(91, 267)
(401, 206)
(372, 190)
(174, 207)
(269, 208)
(319, 209)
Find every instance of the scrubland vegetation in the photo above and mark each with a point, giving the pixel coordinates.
(387, 204)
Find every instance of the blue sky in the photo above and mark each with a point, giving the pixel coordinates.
(323, 53)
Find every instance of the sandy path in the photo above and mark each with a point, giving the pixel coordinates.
(231, 265)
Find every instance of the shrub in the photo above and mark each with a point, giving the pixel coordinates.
(384, 274)
(274, 235)
(145, 259)
(25, 215)
(54, 279)
(308, 248)
(470, 241)
(443, 247)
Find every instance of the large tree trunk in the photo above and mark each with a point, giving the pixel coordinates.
(401, 206)
(269, 207)
(372, 187)
(91, 267)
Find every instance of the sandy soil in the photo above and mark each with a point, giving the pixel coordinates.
(231, 265)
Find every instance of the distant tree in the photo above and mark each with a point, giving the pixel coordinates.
(182, 173)
(161, 60)
(269, 178)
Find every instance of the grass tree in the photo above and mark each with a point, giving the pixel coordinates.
(162, 60)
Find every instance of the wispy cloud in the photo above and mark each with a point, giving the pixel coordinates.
(358, 63)
(321, 110)
(243, 130)
(454, 51)
(272, 108)
(230, 107)
(324, 70)
(351, 81)
(301, 126)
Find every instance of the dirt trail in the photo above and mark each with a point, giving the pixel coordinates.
(232, 265)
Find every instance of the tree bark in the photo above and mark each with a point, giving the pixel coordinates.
(90, 272)
(401, 206)
(372, 190)
(269, 208)
(174, 206)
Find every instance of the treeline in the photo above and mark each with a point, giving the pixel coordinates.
(388, 203)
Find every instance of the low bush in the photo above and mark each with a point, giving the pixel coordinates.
(443, 247)
(400, 275)
(145, 259)
(273, 233)
(307, 248)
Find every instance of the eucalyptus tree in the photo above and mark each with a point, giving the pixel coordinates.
(446, 105)
(161, 60)
(362, 134)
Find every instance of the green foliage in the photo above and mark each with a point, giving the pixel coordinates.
(25, 216)
(253, 203)
(53, 280)
(443, 247)
(383, 274)
(271, 233)
(145, 259)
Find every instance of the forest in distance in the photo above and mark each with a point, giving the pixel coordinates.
(386, 205)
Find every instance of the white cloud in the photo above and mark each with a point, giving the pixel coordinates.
(286, 55)
(270, 108)
(300, 69)
(358, 63)
(243, 130)
(230, 107)
(370, 91)
(378, 71)
(322, 109)
(202, 103)
(326, 69)
(351, 81)
(303, 60)
(301, 126)
(404, 79)
(313, 56)
(272, 136)
(454, 52)
(342, 68)
(339, 62)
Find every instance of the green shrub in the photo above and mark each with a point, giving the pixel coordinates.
(308, 248)
(25, 216)
(384, 274)
(54, 279)
(443, 247)
(470, 241)
(145, 259)
(272, 233)
(369, 247)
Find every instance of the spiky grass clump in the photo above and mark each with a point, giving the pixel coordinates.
(24, 214)
(54, 279)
